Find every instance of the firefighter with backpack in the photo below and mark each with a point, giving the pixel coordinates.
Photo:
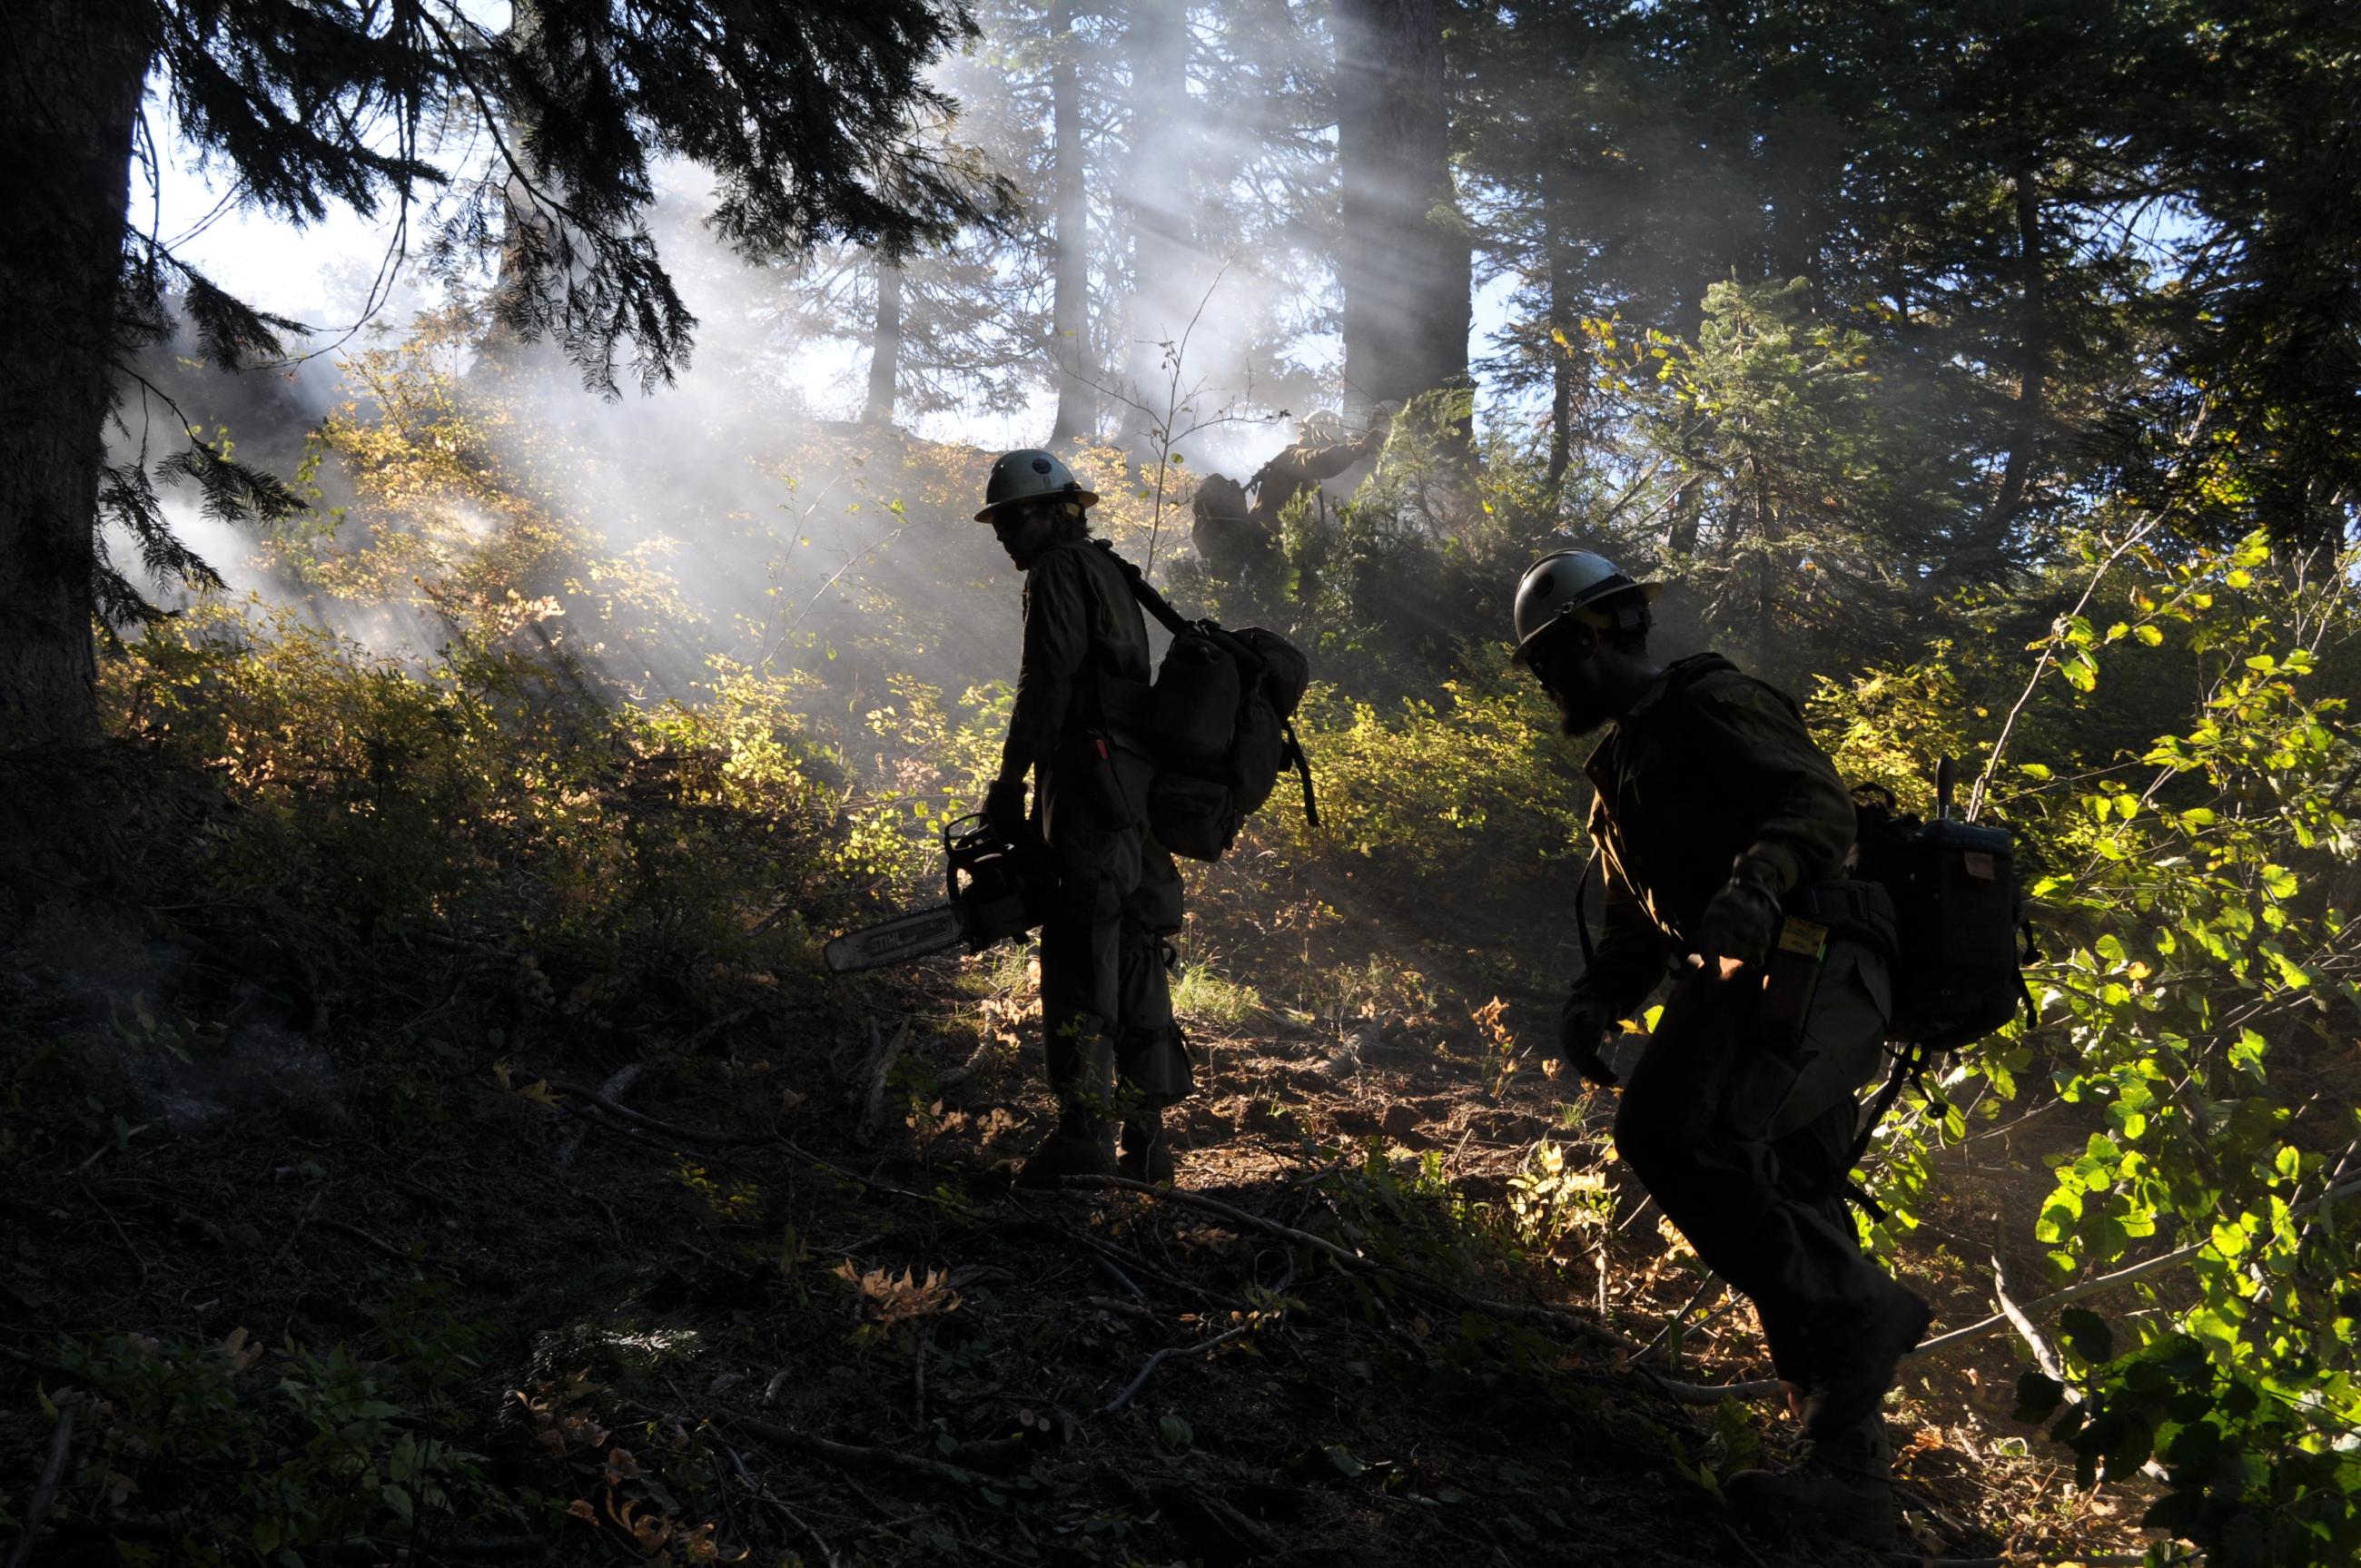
(1722, 835)
(1078, 729)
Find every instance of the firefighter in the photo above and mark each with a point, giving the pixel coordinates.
(1319, 452)
(1114, 1053)
(1723, 832)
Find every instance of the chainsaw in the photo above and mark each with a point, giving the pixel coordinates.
(996, 888)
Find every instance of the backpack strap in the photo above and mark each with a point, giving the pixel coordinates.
(1155, 603)
(1582, 917)
(1294, 754)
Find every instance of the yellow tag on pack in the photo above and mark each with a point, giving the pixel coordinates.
(1805, 936)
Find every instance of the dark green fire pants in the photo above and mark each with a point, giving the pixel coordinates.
(1106, 1004)
(1745, 1147)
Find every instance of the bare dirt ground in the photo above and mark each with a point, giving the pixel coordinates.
(764, 1294)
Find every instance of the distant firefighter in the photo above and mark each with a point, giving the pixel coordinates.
(1321, 451)
(1235, 529)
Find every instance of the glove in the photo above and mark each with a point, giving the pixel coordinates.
(1581, 1028)
(1739, 923)
(1003, 808)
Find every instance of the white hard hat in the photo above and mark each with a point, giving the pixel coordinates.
(1571, 583)
(1030, 474)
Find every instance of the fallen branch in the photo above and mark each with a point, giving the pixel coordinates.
(355, 1232)
(624, 1078)
(1181, 1195)
(2044, 1356)
(46, 1491)
(1676, 1320)
(794, 1520)
(966, 1069)
(859, 1457)
(1713, 1394)
(1120, 1400)
(2090, 1560)
(1123, 1263)
(880, 1068)
(1512, 1311)
(296, 1229)
(671, 1130)
(817, 1163)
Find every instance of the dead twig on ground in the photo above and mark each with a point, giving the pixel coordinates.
(669, 1129)
(295, 1229)
(1512, 1311)
(795, 1522)
(879, 1070)
(116, 1226)
(611, 1089)
(1158, 1359)
(45, 1491)
(859, 1457)
(2097, 1560)
(817, 1163)
(1676, 1320)
(1762, 1389)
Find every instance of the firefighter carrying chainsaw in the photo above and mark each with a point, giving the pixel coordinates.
(1127, 772)
(1083, 703)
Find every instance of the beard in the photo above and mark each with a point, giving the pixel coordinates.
(1578, 715)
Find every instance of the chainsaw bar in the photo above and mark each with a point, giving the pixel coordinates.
(905, 937)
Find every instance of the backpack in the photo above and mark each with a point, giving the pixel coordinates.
(1958, 968)
(1958, 913)
(1220, 723)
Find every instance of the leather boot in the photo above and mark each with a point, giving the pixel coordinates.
(1854, 1360)
(1078, 1146)
(1842, 1490)
(1146, 1152)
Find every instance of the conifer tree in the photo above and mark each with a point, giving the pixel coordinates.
(1403, 255)
(794, 107)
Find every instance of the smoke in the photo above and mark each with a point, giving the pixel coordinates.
(746, 511)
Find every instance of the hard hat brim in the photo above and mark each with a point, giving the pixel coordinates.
(1079, 497)
(1530, 645)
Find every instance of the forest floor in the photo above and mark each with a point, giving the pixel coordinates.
(762, 1291)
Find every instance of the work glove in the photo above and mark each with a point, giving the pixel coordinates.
(1003, 808)
(1582, 1027)
(1739, 923)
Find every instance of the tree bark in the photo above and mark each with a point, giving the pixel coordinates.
(1405, 262)
(2033, 363)
(1070, 323)
(71, 73)
(1162, 295)
(1566, 364)
(884, 344)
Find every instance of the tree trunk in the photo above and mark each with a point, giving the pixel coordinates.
(1163, 296)
(1566, 361)
(884, 344)
(1070, 322)
(2033, 358)
(69, 94)
(1404, 263)
(1766, 596)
